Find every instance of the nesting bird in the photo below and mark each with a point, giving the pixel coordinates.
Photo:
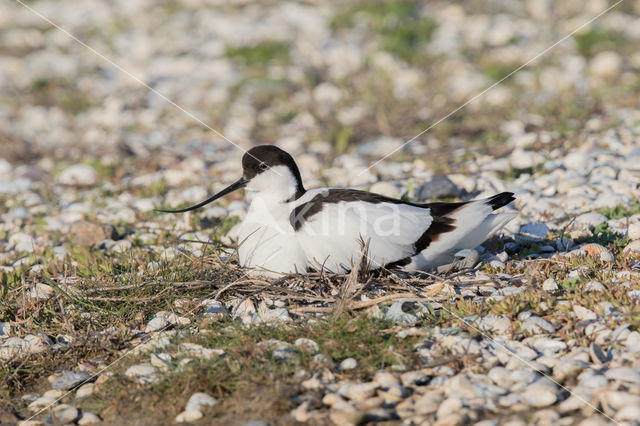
(291, 229)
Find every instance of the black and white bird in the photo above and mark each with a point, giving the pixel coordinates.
(291, 229)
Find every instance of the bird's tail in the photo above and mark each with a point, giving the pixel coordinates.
(473, 223)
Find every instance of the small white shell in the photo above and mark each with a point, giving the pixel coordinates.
(632, 247)
(594, 249)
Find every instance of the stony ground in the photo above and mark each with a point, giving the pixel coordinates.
(112, 313)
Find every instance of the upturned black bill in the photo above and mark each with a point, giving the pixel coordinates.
(240, 183)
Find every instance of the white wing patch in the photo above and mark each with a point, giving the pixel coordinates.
(333, 236)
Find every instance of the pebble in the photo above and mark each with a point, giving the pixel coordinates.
(87, 418)
(143, 373)
(343, 413)
(591, 219)
(630, 413)
(41, 291)
(306, 345)
(5, 329)
(42, 402)
(438, 187)
(70, 380)
(188, 416)
(495, 324)
(606, 64)
(597, 355)
(632, 247)
(449, 406)
(538, 396)
(63, 414)
(597, 250)
(214, 310)
(595, 286)
(358, 391)
(85, 390)
(348, 364)
(536, 325)
(91, 234)
(156, 324)
(199, 400)
(624, 374)
(79, 175)
(385, 378)
(583, 313)
(522, 159)
(568, 368)
(14, 347)
(532, 233)
(550, 285)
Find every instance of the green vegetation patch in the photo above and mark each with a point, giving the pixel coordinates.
(398, 24)
(596, 40)
(620, 211)
(260, 53)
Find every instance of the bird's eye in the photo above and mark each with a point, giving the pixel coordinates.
(263, 166)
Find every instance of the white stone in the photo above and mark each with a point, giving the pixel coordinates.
(5, 329)
(42, 402)
(348, 364)
(629, 413)
(583, 313)
(538, 396)
(14, 347)
(144, 373)
(343, 413)
(79, 175)
(63, 414)
(606, 64)
(449, 406)
(199, 400)
(384, 188)
(188, 416)
(521, 159)
(87, 418)
(624, 374)
(306, 345)
(41, 291)
(85, 390)
(595, 286)
(22, 242)
(632, 247)
(634, 231)
(550, 285)
(495, 324)
(534, 324)
(358, 391)
(591, 219)
(156, 323)
(568, 368)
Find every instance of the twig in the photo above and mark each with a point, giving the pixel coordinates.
(228, 286)
(377, 301)
(189, 284)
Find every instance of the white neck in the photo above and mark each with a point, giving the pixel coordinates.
(275, 185)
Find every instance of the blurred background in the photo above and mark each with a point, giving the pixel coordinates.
(324, 78)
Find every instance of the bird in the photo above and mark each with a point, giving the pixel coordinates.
(289, 229)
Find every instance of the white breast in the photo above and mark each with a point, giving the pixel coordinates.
(267, 242)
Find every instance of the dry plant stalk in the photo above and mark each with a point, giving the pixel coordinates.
(358, 271)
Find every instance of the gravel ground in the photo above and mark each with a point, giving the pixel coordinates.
(110, 312)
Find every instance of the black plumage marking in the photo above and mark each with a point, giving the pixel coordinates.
(500, 200)
(262, 157)
(304, 212)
